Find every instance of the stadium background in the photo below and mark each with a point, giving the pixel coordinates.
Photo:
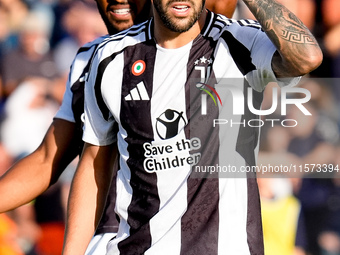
(301, 211)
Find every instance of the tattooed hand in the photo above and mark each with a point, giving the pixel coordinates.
(298, 52)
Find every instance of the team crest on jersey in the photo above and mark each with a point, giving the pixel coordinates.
(203, 65)
(138, 67)
(169, 123)
(203, 60)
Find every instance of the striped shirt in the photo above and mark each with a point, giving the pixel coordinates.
(165, 104)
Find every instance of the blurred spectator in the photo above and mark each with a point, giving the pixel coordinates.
(314, 140)
(33, 89)
(280, 215)
(8, 237)
(28, 115)
(308, 139)
(15, 12)
(80, 31)
(330, 9)
(28, 229)
(27, 73)
(320, 199)
(222, 7)
(326, 19)
(331, 19)
(332, 45)
(324, 100)
(303, 9)
(313, 145)
(76, 32)
(50, 216)
(29, 105)
(280, 209)
(59, 9)
(12, 13)
(5, 29)
(32, 60)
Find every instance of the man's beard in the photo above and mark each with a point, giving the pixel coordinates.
(170, 23)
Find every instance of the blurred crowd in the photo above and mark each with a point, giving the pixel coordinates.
(301, 209)
(38, 40)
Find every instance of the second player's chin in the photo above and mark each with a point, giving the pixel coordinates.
(123, 25)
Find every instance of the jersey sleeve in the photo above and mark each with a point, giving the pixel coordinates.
(65, 110)
(98, 130)
(261, 51)
(77, 73)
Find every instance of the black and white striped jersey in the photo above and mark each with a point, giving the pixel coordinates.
(72, 109)
(165, 103)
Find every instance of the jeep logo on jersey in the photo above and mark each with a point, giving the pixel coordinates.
(169, 123)
(138, 67)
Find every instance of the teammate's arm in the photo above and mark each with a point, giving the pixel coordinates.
(33, 174)
(298, 53)
(88, 194)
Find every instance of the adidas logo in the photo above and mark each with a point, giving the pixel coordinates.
(138, 93)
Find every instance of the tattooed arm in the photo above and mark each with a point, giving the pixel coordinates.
(298, 53)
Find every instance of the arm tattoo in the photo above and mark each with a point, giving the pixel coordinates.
(275, 17)
(297, 37)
